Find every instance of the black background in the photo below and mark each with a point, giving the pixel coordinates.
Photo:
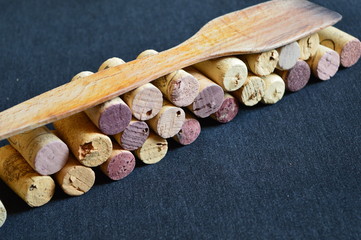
(290, 170)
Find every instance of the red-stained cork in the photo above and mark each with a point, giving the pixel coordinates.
(228, 111)
(297, 77)
(189, 132)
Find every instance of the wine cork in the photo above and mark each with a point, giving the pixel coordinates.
(133, 136)
(297, 77)
(111, 62)
(210, 96)
(87, 143)
(75, 179)
(44, 151)
(274, 89)
(189, 132)
(262, 64)
(325, 63)
(179, 87)
(153, 150)
(251, 92)
(120, 163)
(111, 117)
(308, 46)
(168, 121)
(347, 46)
(145, 101)
(3, 214)
(35, 189)
(288, 56)
(228, 110)
(229, 72)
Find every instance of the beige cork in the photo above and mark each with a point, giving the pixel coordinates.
(325, 63)
(111, 117)
(179, 87)
(210, 96)
(75, 179)
(44, 151)
(288, 56)
(111, 62)
(168, 121)
(274, 89)
(87, 143)
(346, 45)
(35, 189)
(145, 101)
(262, 64)
(309, 46)
(3, 214)
(251, 92)
(229, 72)
(133, 136)
(153, 150)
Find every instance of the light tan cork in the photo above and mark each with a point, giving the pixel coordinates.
(75, 179)
(262, 64)
(133, 136)
(274, 89)
(346, 45)
(309, 46)
(325, 63)
(251, 92)
(210, 96)
(145, 101)
(288, 56)
(111, 62)
(111, 117)
(179, 87)
(229, 72)
(87, 143)
(44, 151)
(35, 189)
(168, 121)
(3, 214)
(153, 150)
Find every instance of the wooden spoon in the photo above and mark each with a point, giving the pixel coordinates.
(255, 29)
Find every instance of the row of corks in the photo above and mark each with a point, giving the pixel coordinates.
(139, 122)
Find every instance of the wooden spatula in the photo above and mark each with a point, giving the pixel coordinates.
(255, 29)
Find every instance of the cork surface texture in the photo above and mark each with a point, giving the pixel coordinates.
(285, 171)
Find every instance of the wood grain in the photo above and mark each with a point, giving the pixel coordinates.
(255, 29)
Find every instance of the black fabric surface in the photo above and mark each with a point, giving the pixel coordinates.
(285, 171)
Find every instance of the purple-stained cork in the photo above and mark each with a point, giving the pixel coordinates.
(51, 158)
(228, 109)
(120, 164)
(327, 65)
(133, 136)
(208, 101)
(115, 118)
(189, 132)
(351, 53)
(297, 77)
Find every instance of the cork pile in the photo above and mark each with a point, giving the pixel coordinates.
(137, 124)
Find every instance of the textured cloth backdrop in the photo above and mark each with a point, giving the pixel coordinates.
(286, 171)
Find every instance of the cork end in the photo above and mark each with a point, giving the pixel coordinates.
(252, 91)
(121, 165)
(298, 76)
(115, 119)
(153, 150)
(183, 90)
(351, 53)
(275, 89)
(328, 65)
(78, 180)
(170, 122)
(134, 135)
(3, 214)
(189, 132)
(95, 152)
(51, 158)
(147, 102)
(208, 101)
(228, 111)
(39, 190)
